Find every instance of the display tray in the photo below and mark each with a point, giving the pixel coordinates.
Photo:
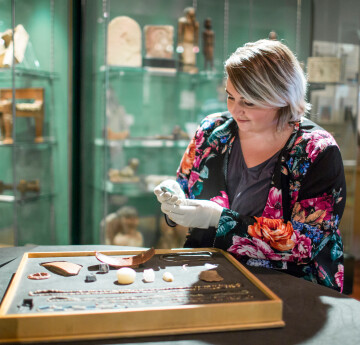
(32, 311)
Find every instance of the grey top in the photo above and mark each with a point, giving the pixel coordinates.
(248, 188)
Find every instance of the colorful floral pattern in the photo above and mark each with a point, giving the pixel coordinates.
(297, 233)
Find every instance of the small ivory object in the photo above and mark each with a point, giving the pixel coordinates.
(168, 277)
(126, 275)
(149, 275)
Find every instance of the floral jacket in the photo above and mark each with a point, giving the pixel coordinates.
(298, 231)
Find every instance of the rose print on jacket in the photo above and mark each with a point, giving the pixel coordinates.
(273, 208)
(273, 231)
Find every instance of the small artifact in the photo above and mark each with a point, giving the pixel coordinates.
(149, 275)
(168, 277)
(121, 227)
(39, 276)
(176, 134)
(23, 187)
(28, 186)
(210, 276)
(159, 41)
(131, 261)
(127, 174)
(208, 43)
(273, 36)
(124, 42)
(27, 303)
(104, 268)
(14, 45)
(63, 268)
(121, 135)
(126, 275)
(90, 278)
(188, 38)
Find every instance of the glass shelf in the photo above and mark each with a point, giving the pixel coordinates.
(18, 199)
(47, 143)
(139, 143)
(119, 71)
(6, 73)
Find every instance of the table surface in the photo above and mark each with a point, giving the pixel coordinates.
(313, 314)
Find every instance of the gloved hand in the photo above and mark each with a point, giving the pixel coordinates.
(194, 213)
(169, 191)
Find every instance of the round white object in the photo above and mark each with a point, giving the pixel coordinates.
(149, 275)
(126, 275)
(168, 277)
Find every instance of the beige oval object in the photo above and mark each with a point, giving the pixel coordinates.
(126, 275)
(168, 277)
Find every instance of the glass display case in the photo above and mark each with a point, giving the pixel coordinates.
(333, 74)
(34, 122)
(141, 101)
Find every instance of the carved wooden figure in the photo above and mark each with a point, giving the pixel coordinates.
(208, 43)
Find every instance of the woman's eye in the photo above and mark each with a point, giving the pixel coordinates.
(248, 104)
(229, 97)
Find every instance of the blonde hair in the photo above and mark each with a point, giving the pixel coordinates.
(268, 74)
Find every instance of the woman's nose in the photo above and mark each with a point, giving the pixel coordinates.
(237, 108)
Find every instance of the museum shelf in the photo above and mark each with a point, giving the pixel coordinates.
(143, 142)
(48, 142)
(20, 71)
(25, 199)
(34, 144)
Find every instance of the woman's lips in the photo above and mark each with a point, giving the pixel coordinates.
(242, 120)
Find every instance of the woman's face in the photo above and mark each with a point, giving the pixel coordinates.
(249, 117)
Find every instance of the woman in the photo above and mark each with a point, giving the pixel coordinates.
(260, 181)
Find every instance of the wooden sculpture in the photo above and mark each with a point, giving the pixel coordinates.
(34, 109)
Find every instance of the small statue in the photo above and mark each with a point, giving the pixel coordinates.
(121, 228)
(171, 237)
(208, 43)
(23, 187)
(188, 40)
(273, 35)
(176, 134)
(128, 174)
(13, 44)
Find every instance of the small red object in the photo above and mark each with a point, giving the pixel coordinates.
(39, 276)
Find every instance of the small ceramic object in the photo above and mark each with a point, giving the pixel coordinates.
(63, 268)
(210, 276)
(168, 277)
(39, 276)
(149, 275)
(126, 275)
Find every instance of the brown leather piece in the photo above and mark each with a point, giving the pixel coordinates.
(63, 268)
(131, 261)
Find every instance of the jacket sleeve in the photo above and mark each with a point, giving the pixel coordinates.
(318, 201)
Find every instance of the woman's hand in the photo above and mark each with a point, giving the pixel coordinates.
(193, 213)
(169, 191)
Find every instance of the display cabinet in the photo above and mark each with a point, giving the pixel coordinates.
(333, 73)
(140, 109)
(34, 122)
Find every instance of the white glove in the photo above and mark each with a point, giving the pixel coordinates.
(169, 191)
(194, 213)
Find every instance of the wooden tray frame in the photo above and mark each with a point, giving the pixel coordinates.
(134, 322)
